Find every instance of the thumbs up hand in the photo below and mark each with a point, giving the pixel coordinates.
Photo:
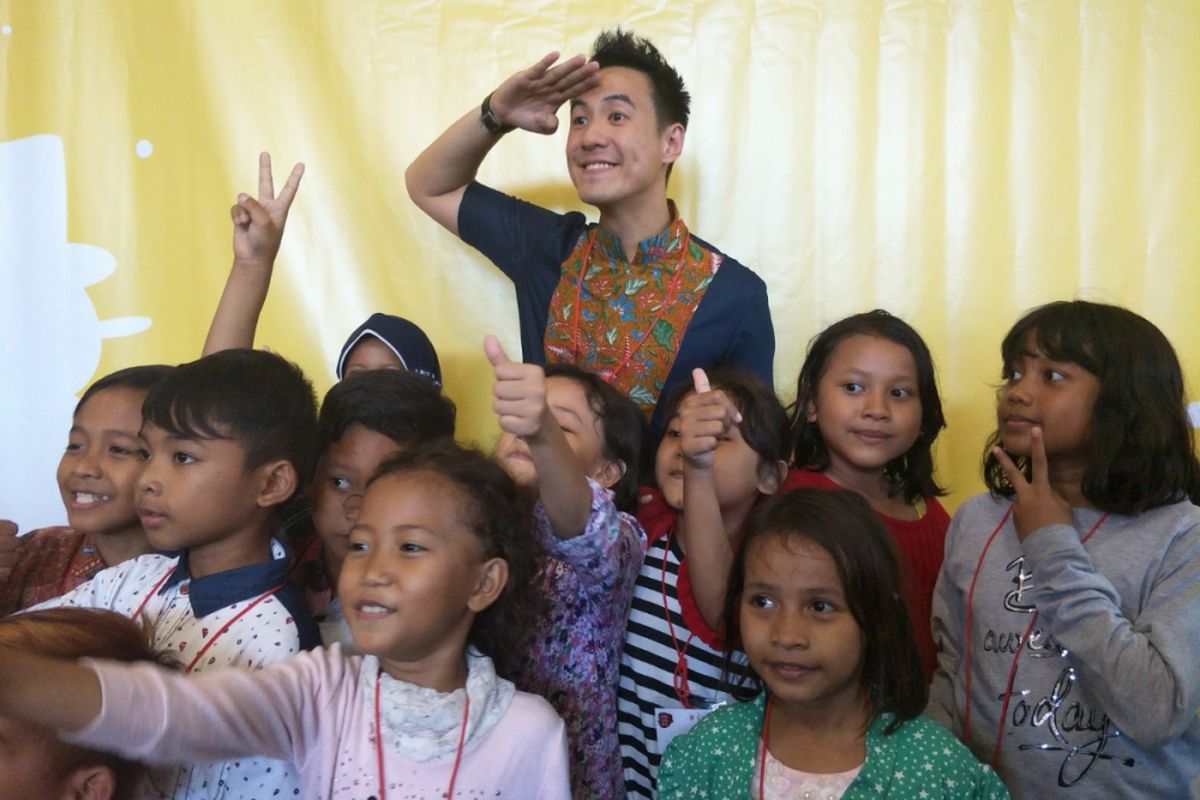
(519, 392)
(706, 418)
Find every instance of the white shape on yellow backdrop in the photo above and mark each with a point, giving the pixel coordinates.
(50, 334)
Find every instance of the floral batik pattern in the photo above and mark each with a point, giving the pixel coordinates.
(623, 320)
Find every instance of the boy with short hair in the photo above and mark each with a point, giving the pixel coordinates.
(365, 418)
(229, 437)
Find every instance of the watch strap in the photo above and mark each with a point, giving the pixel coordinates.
(490, 120)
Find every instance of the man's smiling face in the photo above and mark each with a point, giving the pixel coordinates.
(615, 150)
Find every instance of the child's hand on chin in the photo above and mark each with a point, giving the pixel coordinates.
(1037, 504)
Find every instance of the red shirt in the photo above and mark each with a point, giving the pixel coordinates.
(920, 541)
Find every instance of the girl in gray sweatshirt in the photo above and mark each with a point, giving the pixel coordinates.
(1067, 612)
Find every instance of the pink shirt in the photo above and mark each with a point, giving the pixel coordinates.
(312, 710)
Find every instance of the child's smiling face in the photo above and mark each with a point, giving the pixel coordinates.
(867, 405)
(415, 576)
(98, 472)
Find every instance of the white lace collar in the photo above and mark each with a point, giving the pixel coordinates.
(423, 724)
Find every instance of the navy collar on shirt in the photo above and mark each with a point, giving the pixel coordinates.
(214, 592)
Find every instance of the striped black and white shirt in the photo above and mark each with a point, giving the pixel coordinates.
(648, 665)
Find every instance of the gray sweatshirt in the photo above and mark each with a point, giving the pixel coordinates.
(1106, 689)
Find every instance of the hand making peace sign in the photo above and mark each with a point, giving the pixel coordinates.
(1037, 504)
(258, 224)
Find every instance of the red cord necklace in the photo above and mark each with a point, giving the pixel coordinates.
(680, 677)
(228, 624)
(668, 301)
(153, 591)
(462, 737)
(1012, 670)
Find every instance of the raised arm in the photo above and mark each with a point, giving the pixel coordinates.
(520, 392)
(705, 419)
(257, 234)
(528, 100)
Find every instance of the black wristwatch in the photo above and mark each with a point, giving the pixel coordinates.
(491, 121)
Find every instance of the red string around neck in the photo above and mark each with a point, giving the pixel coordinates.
(669, 300)
(680, 676)
(1012, 670)
(462, 738)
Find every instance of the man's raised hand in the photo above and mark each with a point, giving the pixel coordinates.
(531, 98)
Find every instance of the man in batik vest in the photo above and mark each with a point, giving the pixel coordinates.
(637, 298)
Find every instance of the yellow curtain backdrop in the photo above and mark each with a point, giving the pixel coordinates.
(955, 162)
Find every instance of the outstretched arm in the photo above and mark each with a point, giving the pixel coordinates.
(257, 234)
(529, 100)
(51, 692)
(520, 392)
(705, 419)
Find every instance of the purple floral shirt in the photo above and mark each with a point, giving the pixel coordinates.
(576, 652)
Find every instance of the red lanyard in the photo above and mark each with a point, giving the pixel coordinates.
(462, 736)
(762, 750)
(196, 659)
(153, 591)
(662, 309)
(228, 624)
(680, 676)
(1012, 671)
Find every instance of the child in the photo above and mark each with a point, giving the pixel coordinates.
(96, 477)
(382, 342)
(722, 452)
(814, 597)
(385, 341)
(574, 442)
(438, 581)
(228, 438)
(33, 762)
(364, 419)
(866, 415)
(1068, 608)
